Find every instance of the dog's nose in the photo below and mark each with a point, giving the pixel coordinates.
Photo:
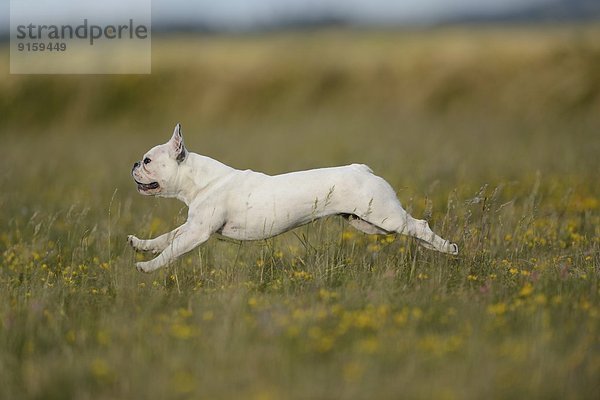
(135, 165)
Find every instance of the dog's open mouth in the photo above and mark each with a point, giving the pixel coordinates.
(147, 186)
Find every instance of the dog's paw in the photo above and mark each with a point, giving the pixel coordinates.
(453, 249)
(143, 266)
(134, 242)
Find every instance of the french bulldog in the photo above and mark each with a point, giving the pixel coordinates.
(249, 205)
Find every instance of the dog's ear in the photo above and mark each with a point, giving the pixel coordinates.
(176, 146)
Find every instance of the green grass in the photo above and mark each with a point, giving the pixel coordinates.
(491, 135)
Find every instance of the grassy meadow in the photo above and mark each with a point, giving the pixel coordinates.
(491, 134)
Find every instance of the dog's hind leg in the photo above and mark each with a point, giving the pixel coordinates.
(419, 228)
(379, 211)
(365, 226)
(395, 219)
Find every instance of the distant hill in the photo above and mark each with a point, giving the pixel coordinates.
(554, 11)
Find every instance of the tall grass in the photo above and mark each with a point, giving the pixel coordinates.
(490, 135)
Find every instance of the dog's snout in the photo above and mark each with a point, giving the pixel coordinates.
(135, 165)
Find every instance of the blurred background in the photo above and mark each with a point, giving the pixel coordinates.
(432, 94)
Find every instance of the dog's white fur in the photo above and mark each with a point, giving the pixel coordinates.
(248, 205)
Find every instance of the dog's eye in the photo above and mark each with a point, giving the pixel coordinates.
(147, 160)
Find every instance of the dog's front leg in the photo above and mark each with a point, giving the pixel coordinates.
(155, 245)
(187, 238)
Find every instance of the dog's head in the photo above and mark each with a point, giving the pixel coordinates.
(156, 174)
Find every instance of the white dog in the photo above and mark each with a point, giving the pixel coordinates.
(248, 205)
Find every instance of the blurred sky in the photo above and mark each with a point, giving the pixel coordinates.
(253, 14)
